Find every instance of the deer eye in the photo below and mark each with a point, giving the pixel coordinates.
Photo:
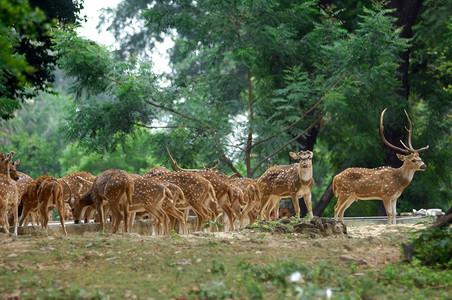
(413, 160)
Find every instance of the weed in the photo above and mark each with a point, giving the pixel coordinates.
(217, 267)
(214, 290)
(210, 223)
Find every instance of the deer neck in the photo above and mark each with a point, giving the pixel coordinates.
(304, 173)
(405, 174)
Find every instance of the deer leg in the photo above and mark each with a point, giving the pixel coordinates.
(100, 212)
(15, 217)
(117, 217)
(126, 216)
(4, 221)
(132, 220)
(24, 216)
(341, 205)
(43, 215)
(388, 204)
(394, 210)
(307, 201)
(60, 209)
(263, 211)
(296, 205)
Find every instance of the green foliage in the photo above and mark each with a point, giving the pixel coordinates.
(26, 62)
(433, 247)
(17, 19)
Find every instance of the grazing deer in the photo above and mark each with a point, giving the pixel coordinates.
(294, 181)
(74, 186)
(9, 195)
(112, 188)
(251, 200)
(198, 191)
(149, 196)
(173, 207)
(224, 192)
(384, 183)
(41, 196)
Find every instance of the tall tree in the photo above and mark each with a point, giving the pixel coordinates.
(27, 64)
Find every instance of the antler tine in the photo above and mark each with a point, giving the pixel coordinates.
(217, 165)
(409, 137)
(176, 166)
(409, 132)
(403, 144)
(384, 139)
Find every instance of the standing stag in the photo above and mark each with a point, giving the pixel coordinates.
(294, 181)
(384, 183)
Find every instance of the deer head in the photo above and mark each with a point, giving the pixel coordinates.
(412, 160)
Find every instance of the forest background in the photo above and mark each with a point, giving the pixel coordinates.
(249, 82)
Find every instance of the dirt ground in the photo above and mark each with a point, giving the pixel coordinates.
(193, 257)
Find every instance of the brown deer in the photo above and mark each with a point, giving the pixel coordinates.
(74, 186)
(112, 188)
(224, 192)
(294, 181)
(9, 195)
(158, 200)
(175, 207)
(41, 196)
(149, 196)
(384, 183)
(198, 191)
(251, 201)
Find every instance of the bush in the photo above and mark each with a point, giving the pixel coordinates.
(434, 247)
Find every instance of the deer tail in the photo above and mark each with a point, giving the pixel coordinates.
(335, 191)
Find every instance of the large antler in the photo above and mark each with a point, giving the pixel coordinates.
(410, 145)
(176, 166)
(408, 149)
(384, 139)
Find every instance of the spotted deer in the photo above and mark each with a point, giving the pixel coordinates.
(41, 196)
(198, 191)
(9, 195)
(76, 184)
(251, 199)
(294, 181)
(384, 183)
(111, 189)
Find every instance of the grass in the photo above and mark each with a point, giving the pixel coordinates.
(251, 264)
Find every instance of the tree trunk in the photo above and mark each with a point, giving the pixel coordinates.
(406, 12)
(320, 206)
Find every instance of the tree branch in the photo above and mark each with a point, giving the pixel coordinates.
(285, 145)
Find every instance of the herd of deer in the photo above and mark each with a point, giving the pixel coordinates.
(169, 196)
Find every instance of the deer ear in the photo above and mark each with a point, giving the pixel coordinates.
(294, 155)
(400, 156)
(17, 162)
(311, 153)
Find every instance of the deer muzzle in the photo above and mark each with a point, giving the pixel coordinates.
(305, 165)
(423, 167)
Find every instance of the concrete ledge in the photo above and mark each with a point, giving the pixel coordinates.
(142, 227)
(379, 220)
(145, 227)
